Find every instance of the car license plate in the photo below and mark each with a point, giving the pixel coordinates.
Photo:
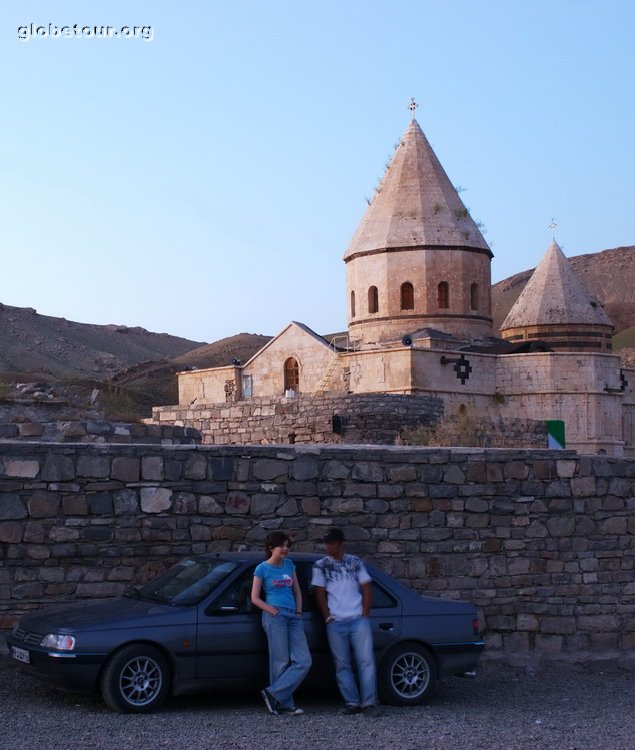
(21, 654)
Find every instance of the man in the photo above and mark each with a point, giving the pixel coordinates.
(344, 596)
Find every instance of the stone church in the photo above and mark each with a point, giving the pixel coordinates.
(420, 341)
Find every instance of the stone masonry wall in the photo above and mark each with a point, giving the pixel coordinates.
(540, 541)
(99, 431)
(373, 418)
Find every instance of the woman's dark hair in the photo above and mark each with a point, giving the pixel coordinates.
(275, 539)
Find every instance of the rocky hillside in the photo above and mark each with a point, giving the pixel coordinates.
(609, 275)
(40, 346)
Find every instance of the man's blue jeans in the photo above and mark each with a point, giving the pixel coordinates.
(289, 657)
(356, 634)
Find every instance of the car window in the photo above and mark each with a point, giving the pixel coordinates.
(381, 598)
(236, 599)
(187, 582)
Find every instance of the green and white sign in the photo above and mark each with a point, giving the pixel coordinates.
(555, 434)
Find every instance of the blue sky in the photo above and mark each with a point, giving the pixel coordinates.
(208, 181)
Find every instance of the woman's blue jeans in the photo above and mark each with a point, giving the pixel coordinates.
(289, 657)
(355, 633)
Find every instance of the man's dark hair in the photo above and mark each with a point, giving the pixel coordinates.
(275, 539)
(333, 535)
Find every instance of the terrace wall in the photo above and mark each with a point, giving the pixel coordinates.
(541, 541)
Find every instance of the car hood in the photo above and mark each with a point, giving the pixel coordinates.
(103, 614)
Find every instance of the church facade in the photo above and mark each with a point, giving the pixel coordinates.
(419, 323)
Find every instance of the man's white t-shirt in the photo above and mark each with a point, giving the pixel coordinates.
(341, 579)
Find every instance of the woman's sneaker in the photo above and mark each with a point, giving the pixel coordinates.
(270, 702)
(291, 711)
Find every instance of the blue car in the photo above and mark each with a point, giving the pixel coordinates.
(194, 629)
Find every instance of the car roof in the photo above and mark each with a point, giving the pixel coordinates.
(251, 556)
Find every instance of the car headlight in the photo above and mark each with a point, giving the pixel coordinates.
(58, 641)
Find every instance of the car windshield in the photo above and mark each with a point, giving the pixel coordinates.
(187, 583)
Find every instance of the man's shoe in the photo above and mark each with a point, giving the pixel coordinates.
(270, 702)
(349, 710)
(370, 711)
(291, 711)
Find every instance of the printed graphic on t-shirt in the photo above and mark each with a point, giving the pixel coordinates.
(338, 570)
(280, 583)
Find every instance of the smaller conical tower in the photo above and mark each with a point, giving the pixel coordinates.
(556, 307)
(417, 258)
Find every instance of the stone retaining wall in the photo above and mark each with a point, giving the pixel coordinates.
(100, 431)
(541, 541)
(374, 418)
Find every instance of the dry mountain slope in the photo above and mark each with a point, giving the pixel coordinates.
(609, 275)
(42, 345)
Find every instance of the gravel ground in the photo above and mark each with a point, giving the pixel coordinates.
(564, 708)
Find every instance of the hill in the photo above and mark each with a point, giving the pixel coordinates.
(609, 274)
(40, 346)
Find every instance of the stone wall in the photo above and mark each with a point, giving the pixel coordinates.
(99, 431)
(373, 418)
(540, 541)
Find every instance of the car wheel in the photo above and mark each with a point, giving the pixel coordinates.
(406, 675)
(136, 679)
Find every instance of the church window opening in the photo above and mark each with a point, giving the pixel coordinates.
(474, 297)
(248, 386)
(373, 300)
(407, 296)
(291, 375)
(352, 304)
(443, 295)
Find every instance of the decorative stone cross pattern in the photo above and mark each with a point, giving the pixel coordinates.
(623, 381)
(462, 366)
(413, 106)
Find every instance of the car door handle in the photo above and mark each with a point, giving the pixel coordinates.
(386, 626)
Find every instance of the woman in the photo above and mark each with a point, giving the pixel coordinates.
(289, 657)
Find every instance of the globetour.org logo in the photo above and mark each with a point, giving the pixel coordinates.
(79, 31)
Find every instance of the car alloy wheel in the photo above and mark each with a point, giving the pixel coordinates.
(406, 675)
(136, 679)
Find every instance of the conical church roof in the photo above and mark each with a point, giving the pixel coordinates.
(415, 204)
(555, 295)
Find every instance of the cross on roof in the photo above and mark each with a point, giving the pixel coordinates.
(413, 106)
(553, 226)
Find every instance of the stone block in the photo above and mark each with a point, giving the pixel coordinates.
(566, 469)
(43, 504)
(348, 505)
(74, 505)
(264, 504)
(30, 429)
(304, 469)
(93, 466)
(97, 533)
(516, 470)
(561, 526)
(536, 530)
(615, 525)
(185, 503)
(269, 469)
(58, 468)
(99, 589)
(63, 534)
(155, 499)
(11, 533)
(597, 622)
(208, 506)
(558, 625)
(25, 469)
(310, 506)
(367, 471)
(476, 505)
(11, 507)
(527, 622)
(550, 645)
(126, 502)
(152, 468)
(334, 470)
(125, 469)
(237, 503)
(402, 473)
(8, 430)
(454, 475)
(101, 503)
(200, 533)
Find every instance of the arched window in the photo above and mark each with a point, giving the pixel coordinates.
(373, 300)
(443, 295)
(407, 296)
(291, 375)
(474, 297)
(352, 304)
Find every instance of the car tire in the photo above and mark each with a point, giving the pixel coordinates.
(136, 679)
(406, 675)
